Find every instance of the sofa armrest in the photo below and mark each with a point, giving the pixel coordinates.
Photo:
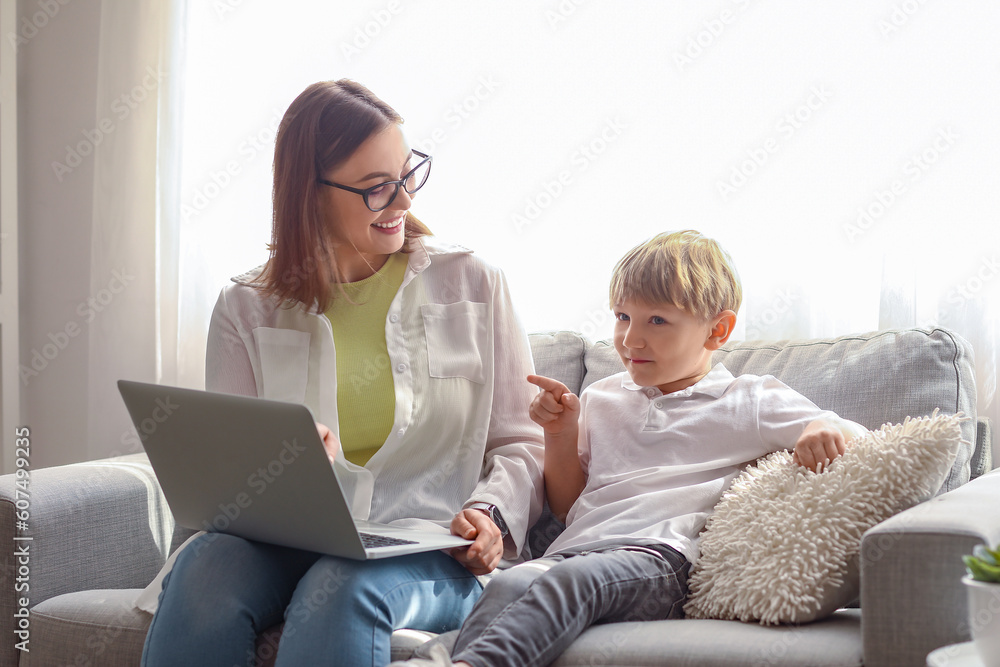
(912, 597)
(100, 524)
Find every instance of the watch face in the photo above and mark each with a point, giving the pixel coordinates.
(494, 514)
(498, 520)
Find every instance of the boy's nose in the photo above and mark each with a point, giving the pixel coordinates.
(632, 339)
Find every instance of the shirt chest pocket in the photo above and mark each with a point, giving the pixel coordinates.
(284, 363)
(457, 339)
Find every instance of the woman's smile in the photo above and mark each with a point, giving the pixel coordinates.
(392, 225)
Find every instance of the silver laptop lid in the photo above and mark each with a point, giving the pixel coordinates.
(226, 468)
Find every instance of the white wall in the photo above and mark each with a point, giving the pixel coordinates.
(57, 83)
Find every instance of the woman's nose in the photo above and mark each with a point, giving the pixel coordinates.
(403, 200)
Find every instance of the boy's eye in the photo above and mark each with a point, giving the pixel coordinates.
(621, 317)
(656, 319)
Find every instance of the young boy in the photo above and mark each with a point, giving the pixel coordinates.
(636, 464)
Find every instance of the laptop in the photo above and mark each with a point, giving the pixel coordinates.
(257, 468)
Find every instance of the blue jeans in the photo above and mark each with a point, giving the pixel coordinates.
(531, 613)
(224, 590)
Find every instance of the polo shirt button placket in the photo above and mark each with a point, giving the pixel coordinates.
(652, 418)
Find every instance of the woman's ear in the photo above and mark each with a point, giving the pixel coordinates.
(722, 328)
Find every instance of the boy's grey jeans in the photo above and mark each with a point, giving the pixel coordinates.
(528, 615)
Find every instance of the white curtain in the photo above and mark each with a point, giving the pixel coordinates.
(926, 292)
(845, 153)
(134, 247)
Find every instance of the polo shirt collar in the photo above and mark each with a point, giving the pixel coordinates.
(714, 384)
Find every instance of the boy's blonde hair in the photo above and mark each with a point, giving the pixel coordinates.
(684, 268)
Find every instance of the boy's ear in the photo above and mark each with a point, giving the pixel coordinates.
(722, 327)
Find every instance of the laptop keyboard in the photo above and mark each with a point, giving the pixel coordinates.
(375, 541)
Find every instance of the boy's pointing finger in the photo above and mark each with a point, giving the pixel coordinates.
(548, 384)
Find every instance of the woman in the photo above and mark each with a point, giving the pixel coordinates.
(409, 350)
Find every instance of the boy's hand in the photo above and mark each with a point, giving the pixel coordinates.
(557, 411)
(555, 408)
(820, 443)
(330, 442)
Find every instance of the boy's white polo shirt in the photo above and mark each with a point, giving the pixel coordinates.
(657, 464)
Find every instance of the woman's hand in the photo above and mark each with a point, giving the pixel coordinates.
(330, 442)
(483, 555)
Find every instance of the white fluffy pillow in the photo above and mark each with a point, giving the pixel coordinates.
(783, 543)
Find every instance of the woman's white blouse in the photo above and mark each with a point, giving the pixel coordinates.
(458, 358)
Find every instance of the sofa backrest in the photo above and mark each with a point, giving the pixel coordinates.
(560, 355)
(871, 378)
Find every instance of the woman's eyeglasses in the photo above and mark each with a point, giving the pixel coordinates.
(379, 197)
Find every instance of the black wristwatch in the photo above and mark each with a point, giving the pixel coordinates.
(494, 514)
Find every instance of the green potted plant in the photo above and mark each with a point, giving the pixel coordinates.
(983, 586)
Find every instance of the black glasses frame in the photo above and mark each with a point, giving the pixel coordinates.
(400, 183)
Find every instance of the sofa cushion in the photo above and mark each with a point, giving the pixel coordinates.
(103, 627)
(559, 355)
(99, 627)
(874, 378)
(835, 642)
(602, 360)
(982, 456)
(783, 543)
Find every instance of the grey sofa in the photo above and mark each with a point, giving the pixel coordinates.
(101, 530)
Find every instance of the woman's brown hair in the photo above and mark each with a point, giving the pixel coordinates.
(320, 130)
